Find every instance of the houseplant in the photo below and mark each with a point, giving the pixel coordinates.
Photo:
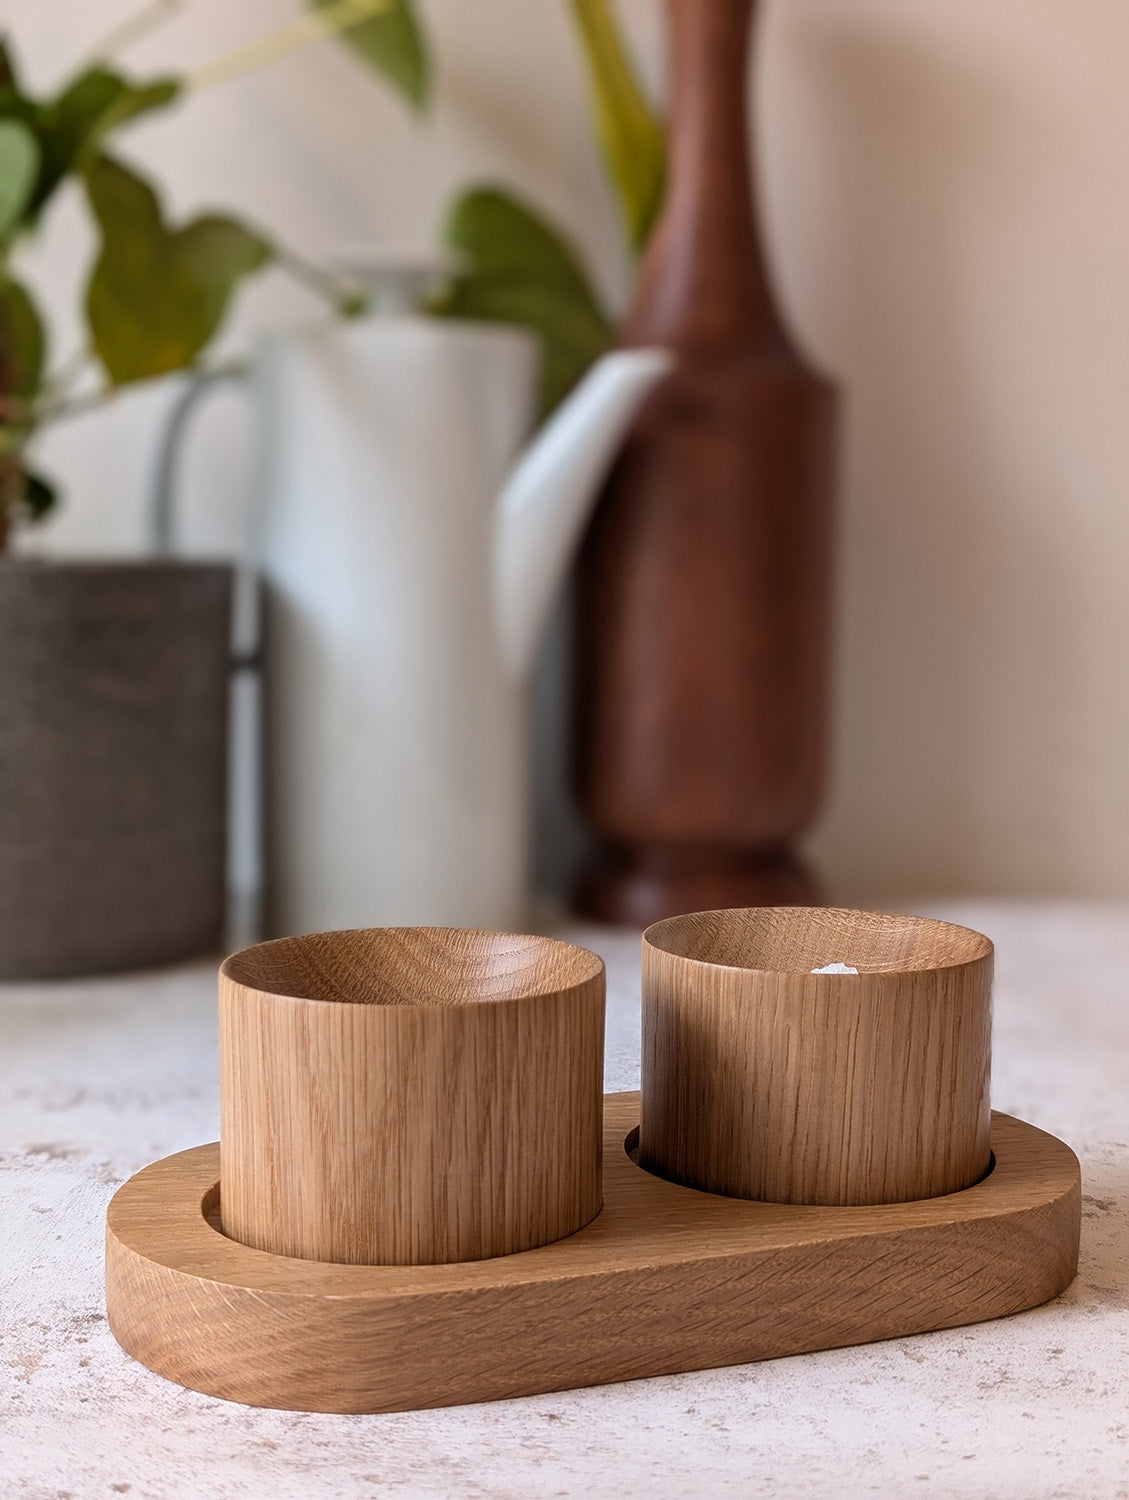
(114, 676)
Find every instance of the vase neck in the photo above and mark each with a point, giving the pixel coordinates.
(703, 283)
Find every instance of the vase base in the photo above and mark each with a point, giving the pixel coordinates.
(638, 887)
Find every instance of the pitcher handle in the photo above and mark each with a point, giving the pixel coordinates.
(246, 746)
(162, 499)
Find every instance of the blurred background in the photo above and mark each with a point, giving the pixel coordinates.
(945, 199)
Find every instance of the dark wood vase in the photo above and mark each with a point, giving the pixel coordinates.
(704, 583)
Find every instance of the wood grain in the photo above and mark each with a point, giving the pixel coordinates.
(410, 1095)
(704, 585)
(664, 1279)
(765, 1081)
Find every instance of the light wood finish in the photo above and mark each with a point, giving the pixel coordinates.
(410, 1095)
(704, 586)
(664, 1279)
(763, 1080)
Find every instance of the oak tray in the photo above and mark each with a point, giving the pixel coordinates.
(664, 1279)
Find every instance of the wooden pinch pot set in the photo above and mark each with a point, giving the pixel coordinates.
(421, 1198)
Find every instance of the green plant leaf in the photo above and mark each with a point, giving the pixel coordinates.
(22, 342)
(129, 101)
(69, 129)
(392, 42)
(522, 270)
(8, 76)
(19, 168)
(93, 104)
(17, 111)
(157, 295)
(631, 136)
(39, 494)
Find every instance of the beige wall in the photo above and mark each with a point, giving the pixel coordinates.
(946, 193)
(948, 188)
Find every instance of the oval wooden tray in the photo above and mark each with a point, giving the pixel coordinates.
(663, 1279)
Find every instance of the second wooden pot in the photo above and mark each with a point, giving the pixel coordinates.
(765, 1080)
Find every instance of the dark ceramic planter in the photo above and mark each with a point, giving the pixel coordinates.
(113, 764)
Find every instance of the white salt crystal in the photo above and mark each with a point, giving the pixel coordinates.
(835, 969)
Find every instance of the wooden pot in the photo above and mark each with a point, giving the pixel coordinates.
(410, 1095)
(113, 764)
(764, 1080)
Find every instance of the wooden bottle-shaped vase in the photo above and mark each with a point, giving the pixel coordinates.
(704, 583)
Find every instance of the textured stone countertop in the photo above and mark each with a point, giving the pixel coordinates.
(99, 1078)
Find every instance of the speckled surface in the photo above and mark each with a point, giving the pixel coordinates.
(99, 1078)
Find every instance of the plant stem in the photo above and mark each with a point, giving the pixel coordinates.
(68, 372)
(322, 283)
(16, 411)
(74, 406)
(300, 33)
(11, 488)
(77, 406)
(134, 28)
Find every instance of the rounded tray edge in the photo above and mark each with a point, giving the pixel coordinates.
(237, 1323)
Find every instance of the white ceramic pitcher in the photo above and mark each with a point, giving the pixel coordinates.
(411, 552)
